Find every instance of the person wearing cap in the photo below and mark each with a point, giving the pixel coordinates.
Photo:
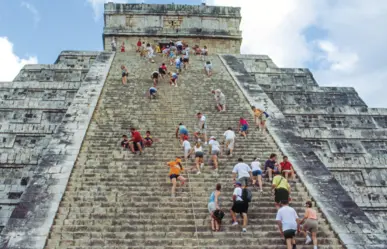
(214, 151)
(257, 173)
(220, 100)
(243, 172)
(281, 188)
(175, 169)
(239, 206)
(310, 224)
(288, 223)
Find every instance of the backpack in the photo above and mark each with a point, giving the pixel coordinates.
(247, 196)
(266, 114)
(218, 214)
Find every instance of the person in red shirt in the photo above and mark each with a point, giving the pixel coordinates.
(163, 70)
(123, 47)
(139, 43)
(287, 168)
(136, 141)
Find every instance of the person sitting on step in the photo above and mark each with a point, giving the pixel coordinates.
(175, 170)
(125, 142)
(148, 140)
(136, 141)
(214, 208)
(271, 166)
(286, 168)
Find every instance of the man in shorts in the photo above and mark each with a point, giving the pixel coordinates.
(229, 140)
(155, 77)
(214, 151)
(239, 206)
(287, 168)
(220, 100)
(242, 173)
(173, 79)
(202, 126)
(288, 224)
(136, 141)
(281, 189)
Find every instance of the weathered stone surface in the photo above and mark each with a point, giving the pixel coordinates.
(331, 135)
(216, 27)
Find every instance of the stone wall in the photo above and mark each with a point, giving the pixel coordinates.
(217, 27)
(337, 144)
(214, 45)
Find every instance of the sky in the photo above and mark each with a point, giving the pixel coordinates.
(343, 42)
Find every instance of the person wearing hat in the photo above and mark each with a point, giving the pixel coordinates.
(175, 169)
(214, 151)
(281, 188)
(239, 206)
(288, 223)
(310, 224)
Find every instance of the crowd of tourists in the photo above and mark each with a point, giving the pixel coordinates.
(246, 178)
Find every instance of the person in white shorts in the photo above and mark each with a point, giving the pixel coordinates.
(257, 173)
(187, 149)
(241, 173)
(230, 139)
(214, 151)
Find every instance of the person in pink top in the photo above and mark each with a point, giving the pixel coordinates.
(310, 224)
(243, 126)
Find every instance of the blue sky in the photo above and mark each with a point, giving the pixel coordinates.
(342, 41)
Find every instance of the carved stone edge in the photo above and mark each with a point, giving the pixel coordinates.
(30, 223)
(352, 226)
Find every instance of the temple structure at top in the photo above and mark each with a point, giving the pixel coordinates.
(214, 26)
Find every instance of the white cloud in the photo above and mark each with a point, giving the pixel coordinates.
(35, 13)
(10, 63)
(351, 53)
(97, 6)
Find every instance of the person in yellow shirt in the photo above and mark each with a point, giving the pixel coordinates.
(281, 189)
(175, 169)
(259, 118)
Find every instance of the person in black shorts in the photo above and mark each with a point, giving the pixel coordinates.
(155, 77)
(125, 142)
(163, 70)
(239, 206)
(125, 75)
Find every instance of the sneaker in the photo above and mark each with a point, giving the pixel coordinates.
(198, 173)
(175, 85)
(205, 143)
(308, 240)
(234, 223)
(201, 165)
(244, 230)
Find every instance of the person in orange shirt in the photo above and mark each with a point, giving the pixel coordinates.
(310, 224)
(175, 169)
(259, 118)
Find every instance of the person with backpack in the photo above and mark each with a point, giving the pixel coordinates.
(214, 208)
(242, 172)
(281, 189)
(241, 198)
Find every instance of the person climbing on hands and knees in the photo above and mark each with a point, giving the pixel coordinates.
(175, 170)
(243, 127)
(216, 213)
(181, 132)
(155, 77)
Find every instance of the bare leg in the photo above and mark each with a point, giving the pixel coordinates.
(132, 147)
(139, 147)
(173, 190)
(215, 160)
(182, 180)
(233, 216)
(217, 225)
(286, 175)
(260, 182)
(212, 223)
(289, 243)
(244, 220)
(197, 161)
(254, 180)
(270, 171)
(314, 238)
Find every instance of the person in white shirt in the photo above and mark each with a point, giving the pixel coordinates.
(114, 44)
(288, 223)
(220, 100)
(199, 154)
(150, 51)
(202, 127)
(186, 58)
(208, 68)
(214, 151)
(179, 45)
(257, 173)
(230, 139)
(239, 206)
(204, 53)
(242, 172)
(187, 149)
